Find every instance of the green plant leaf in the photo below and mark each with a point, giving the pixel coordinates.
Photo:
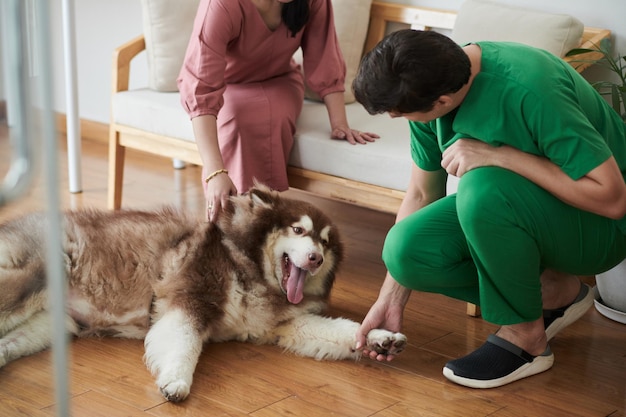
(615, 64)
(605, 45)
(579, 51)
(615, 99)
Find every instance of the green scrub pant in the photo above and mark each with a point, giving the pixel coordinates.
(488, 244)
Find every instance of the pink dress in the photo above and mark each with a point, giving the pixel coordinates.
(239, 70)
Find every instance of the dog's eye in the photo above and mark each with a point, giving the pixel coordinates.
(325, 242)
(297, 230)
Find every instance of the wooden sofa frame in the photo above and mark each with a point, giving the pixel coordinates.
(367, 195)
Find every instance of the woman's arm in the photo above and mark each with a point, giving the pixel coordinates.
(219, 187)
(205, 132)
(601, 191)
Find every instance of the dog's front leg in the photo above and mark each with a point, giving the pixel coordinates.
(173, 346)
(333, 338)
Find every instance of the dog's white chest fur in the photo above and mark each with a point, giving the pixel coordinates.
(246, 316)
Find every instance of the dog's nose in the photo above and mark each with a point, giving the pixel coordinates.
(315, 259)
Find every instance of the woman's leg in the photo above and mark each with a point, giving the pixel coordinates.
(256, 127)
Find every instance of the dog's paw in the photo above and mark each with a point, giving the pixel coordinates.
(385, 342)
(175, 391)
(4, 352)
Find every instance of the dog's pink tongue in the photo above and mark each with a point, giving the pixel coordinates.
(295, 284)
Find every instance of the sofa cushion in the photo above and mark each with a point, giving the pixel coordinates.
(155, 112)
(167, 26)
(386, 162)
(484, 20)
(352, 19)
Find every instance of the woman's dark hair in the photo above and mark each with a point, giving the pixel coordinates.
(295, 15)
(409, 70)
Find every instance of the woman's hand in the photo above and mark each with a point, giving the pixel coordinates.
(339, 122)
(217, 192)
(353, 136)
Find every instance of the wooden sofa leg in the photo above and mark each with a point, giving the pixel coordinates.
(473, 310)
(117, 154)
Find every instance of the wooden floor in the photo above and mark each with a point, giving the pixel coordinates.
(108, 377)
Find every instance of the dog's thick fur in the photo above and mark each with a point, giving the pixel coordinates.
(262, 274)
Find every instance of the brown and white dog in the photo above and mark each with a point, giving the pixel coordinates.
(262, 274)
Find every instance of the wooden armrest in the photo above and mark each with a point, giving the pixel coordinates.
(593, 36)
(591, 40)
(383, 13)
(122, 57)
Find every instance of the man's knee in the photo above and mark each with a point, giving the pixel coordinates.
(486, 194)
(407, 261)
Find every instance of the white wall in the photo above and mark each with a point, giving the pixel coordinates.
(606, 14)
(103, 25)
(2, 93)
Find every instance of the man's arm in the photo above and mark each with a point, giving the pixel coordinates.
(424, 188)
(386, 313)
(601, 191)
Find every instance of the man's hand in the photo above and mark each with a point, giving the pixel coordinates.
(380, 316)
(386, 313)
(467, 154)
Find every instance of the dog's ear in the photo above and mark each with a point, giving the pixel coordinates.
(261, 195)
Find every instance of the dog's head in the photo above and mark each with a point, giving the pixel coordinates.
(295, 242)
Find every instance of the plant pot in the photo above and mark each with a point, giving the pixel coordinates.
(611, 287)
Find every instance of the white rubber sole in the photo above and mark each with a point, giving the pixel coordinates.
(539, 364)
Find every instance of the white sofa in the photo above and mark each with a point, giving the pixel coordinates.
(375, 175)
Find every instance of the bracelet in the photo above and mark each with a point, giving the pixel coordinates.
(218, 172)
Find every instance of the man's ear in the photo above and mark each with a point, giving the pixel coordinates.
(444, 101)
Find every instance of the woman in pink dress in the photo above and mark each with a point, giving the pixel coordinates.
(244, 92)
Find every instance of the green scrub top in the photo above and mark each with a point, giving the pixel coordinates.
(531, 100)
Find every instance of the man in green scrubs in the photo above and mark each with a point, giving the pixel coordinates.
(541, 199)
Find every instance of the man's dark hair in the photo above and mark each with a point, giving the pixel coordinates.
(295, 15)
(409, 70)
